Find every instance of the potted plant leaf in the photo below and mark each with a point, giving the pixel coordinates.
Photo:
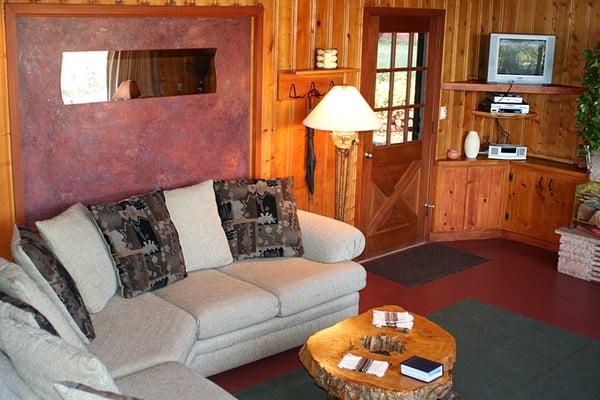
(588, 111)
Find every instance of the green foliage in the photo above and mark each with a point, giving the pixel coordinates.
(588, 104)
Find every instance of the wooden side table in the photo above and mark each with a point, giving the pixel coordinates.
(322, 352)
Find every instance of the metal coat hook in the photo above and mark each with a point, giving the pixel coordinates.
(292, 94)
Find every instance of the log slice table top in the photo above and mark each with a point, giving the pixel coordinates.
(323, 351)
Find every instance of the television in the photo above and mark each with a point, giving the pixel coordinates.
(521, 59)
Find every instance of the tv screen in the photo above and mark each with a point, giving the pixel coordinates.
(520, 59)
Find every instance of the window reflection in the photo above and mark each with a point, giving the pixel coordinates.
(97, 76)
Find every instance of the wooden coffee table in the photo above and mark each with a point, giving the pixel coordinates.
(323, 351)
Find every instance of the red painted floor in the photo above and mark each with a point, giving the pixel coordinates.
(519, 278)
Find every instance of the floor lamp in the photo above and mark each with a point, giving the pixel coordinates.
(343, 111)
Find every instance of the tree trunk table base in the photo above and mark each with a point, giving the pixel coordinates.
(323, 351)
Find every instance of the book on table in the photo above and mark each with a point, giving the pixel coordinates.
(421, 369)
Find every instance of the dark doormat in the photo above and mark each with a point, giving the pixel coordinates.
(422, 264)
(499, 355)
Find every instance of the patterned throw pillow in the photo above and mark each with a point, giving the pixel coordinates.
(27, 310)
(78, 391)
(58, 278)
(143, 241)
(259, 218)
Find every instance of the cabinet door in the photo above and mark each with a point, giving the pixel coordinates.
(485, 189)
(525, 198)
(558, 204)
(449, 199)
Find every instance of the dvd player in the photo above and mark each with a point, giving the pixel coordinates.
(504, 108)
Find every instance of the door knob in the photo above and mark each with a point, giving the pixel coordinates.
(368, 156)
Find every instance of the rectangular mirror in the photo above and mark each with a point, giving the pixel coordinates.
(98, 76)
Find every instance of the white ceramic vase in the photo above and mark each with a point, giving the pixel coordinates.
(472, 145)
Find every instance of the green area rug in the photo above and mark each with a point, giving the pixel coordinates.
(500, 355)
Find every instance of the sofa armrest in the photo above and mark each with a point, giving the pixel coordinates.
(328, 240)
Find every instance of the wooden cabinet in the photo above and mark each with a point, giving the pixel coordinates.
(539, 201)
(468, 198)
(491, 198)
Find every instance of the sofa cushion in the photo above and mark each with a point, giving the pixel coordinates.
(16, 283)
(300, 284)
(143, 240)
(259, 217)
(220, 303)
(171, 381)
(75, 240)
(53, 280)
(12, 387)
(13, 308)
(134, 334)
(78, 391)
(41, 359)
(194, 212)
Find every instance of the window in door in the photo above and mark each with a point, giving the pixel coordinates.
(400, 86)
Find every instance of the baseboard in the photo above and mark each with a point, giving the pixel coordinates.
(465, 235)
(544, 244)
(492, 234)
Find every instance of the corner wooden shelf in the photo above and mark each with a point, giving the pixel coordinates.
(486, 114)
(303, 78)
(479, 86)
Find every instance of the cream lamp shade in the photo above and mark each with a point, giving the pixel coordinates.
(343, 111)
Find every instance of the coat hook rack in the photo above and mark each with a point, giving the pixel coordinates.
(293, 94)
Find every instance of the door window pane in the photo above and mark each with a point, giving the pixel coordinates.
(382, 90)
(417, 86)
(397, 128)
(419, 49)
(380, 136)
(402, 50)
(384, 50)
(400, 81)
(415, 116)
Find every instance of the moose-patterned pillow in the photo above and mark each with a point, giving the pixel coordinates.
(143, 241)
(259, 217)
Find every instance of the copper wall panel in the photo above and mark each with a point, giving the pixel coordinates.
(105, 151)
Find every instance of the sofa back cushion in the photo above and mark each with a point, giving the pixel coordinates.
(144, 242)
(16, 283)
(193, 210)
(11, 307)
(259, 218)
(76, 241)
(78, 391)
(41, 359)
(31, 252)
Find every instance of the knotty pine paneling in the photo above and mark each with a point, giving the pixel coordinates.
(294, 28)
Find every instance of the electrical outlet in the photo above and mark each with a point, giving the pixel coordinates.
(443, 112)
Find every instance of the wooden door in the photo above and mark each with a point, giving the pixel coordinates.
(449, 199)
(400, 79)
(525, 202)
(484, 197)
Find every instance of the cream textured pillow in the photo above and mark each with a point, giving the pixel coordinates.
(194, 213)
(15, 282)
(42, 359)
(76, 241)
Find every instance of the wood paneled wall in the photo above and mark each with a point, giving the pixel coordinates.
(294, 28)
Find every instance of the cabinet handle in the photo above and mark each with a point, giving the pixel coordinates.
(369, 156)
(541, 183)
(550, 185)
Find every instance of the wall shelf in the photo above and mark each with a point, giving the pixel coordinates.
(318, 72)
(480, 86)
(486, 114)
(302, 79)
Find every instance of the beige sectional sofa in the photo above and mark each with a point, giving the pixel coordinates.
(162, 344)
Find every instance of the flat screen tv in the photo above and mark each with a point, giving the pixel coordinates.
(521, 59)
